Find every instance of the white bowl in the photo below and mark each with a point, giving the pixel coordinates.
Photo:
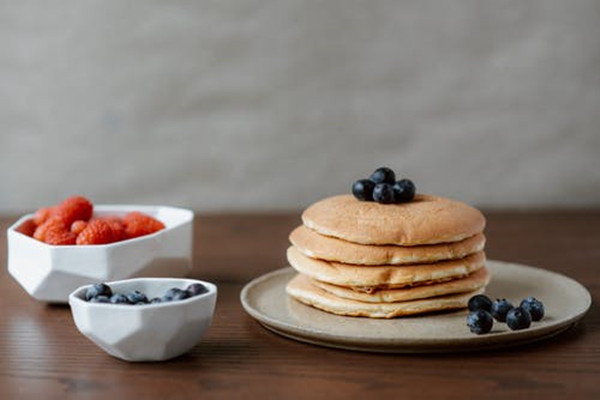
(49, 273)
(152, 332)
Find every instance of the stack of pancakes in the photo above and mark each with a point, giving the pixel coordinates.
(367, 259)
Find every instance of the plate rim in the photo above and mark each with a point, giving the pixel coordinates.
(420, 349)
(399, 345)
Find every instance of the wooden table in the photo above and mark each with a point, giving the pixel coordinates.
(43, 356)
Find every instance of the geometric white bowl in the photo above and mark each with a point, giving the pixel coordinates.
(152, 332)
(49, 273)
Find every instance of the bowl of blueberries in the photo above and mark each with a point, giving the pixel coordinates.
(144, 319)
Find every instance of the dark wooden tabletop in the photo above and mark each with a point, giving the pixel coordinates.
(43, 356)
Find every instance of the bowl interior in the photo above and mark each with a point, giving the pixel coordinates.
(170, 216)
(151, 287)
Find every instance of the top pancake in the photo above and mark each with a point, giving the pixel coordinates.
(425, 220)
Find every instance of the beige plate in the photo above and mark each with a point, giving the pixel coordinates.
(565, 301)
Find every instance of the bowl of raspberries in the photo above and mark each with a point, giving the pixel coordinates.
(73, 243)
(144, 319)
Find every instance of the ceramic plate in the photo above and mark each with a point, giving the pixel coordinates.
(565, 302)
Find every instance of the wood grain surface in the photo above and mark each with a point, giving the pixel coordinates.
(43, 356)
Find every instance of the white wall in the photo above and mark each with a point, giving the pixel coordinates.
(272, 104)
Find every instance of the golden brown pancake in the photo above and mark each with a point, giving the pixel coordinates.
(387, 276)
(425, 220)
(474, 281)
(315, 245)
(301, 289)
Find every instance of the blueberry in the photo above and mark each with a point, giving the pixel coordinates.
(100, 299)
(480, 321)
(136, 297)
(535, 308)
(499, 309)
(404, 191)
(175, 294)
(518, 318)
(196, 289)
(119, 299)
(156, 300)
(383, 175)
(480, 302)
(169, 294)
(383, 193)
(180, 295)
(363, 189)
(98, 289)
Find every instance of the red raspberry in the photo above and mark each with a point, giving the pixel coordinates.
(61, 237)
(54, 231)
(27, 228)
(74, 208)
(140, 224)
(118, 227)
(48, 225)
(43, 214)
(97, 231)
(78, 226)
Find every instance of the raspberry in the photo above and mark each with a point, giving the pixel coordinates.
(78, 226)
(43, 214)
(27, 228)
(61, 237)
(97, 231)
(74, 208)
(139, 224)
(52, 224)
(118, 227)
(54, 231)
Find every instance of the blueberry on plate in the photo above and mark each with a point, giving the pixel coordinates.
(383, 193)
(156, 300)
(480, 321)
(535, 308)
(98, 289)
(119, 299)
(100, 299)
(196, 289)
(404, 191)
(480, 302)
(363, 189)
(175, 294)
(500, 308)
(383, 175)
(136, 297)
(518, 318)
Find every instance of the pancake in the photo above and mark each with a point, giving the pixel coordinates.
(474, 281)
(425, 220)
(301, 289)
(369, 278)
(328, 248)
